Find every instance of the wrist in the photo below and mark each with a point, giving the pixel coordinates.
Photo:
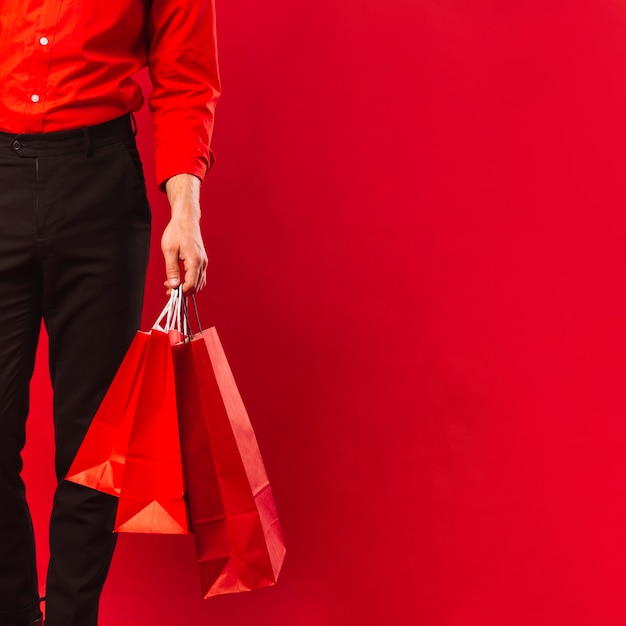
(183, 194)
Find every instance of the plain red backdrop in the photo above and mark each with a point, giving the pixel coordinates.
(416, 233)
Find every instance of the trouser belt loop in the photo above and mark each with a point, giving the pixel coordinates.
(88, 142)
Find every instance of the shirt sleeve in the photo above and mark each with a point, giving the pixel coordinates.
(182, 60)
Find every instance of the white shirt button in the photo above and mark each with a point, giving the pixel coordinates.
(43, 41)
(35, 98)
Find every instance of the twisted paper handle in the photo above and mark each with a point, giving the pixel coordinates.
(173, 314)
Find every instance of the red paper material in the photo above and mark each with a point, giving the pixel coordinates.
(152, 492)
(132, 448)
(238, 537)
(99, 463)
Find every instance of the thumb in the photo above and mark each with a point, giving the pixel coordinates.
(172, 268)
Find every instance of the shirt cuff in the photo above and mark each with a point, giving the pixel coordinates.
(170, 162)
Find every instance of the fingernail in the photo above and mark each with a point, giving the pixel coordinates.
(173, 282)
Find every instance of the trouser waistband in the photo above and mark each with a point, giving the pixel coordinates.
(68, 141)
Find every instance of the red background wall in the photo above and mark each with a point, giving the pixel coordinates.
(416, 232)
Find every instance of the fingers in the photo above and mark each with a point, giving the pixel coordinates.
(195, 275)
(182, 244)
(195, 267)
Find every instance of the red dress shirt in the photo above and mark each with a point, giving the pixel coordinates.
(66, 64)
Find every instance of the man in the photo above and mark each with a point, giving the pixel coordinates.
(74, 240)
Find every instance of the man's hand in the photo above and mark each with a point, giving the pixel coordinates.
(182, 239)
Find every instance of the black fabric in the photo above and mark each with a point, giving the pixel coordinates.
(74, 242)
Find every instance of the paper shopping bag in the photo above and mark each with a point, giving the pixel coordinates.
(238, 538)
(100, 460)
(151, 498)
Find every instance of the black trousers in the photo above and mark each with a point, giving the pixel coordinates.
(74, 242)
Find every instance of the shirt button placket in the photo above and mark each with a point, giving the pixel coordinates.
(42, 55)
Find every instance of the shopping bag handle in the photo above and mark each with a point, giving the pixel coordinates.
(186, 315)
(176, 315)
(173, 314)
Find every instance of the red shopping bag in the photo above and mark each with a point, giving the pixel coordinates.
(100, 460)
(238, 538)
(132, 448)
(151, 498)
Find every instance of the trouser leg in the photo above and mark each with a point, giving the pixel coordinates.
(20, 319)
(96, 242)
